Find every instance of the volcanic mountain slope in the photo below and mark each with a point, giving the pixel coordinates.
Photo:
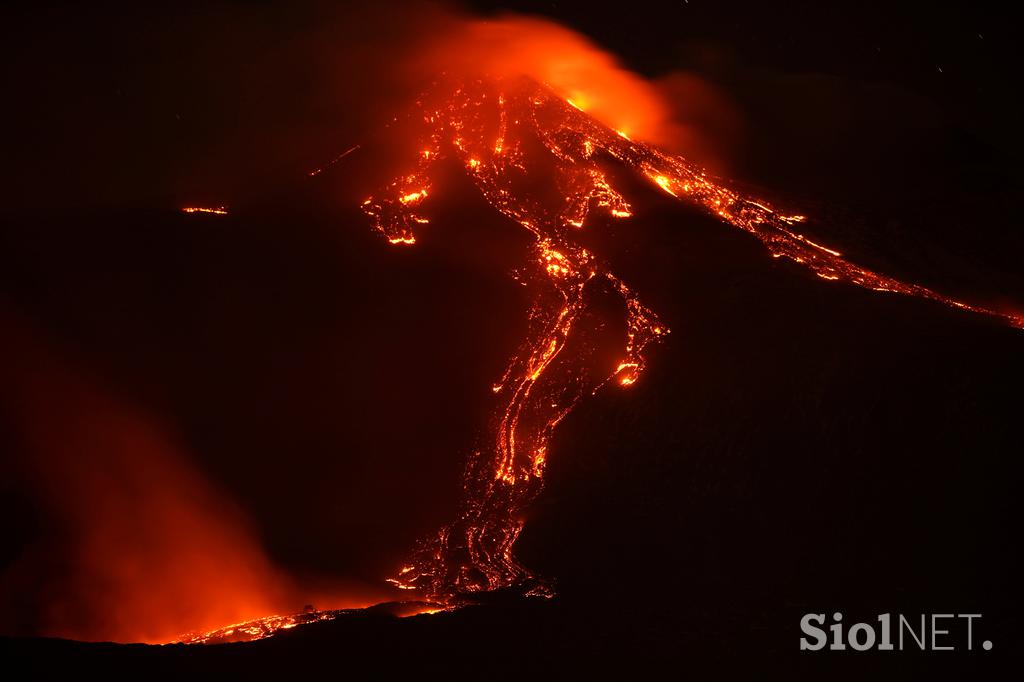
(798, 448)
(509, 135)
(541, 161)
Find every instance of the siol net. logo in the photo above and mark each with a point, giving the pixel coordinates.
(925, 632)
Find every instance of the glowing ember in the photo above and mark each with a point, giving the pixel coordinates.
(489, 126)
(216, 210)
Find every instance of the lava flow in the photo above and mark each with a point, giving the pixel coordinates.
(268, 626)
(214, 210)
(496, 128)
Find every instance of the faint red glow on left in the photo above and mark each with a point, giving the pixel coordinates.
(148, 549)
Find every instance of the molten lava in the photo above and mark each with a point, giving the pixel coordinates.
(214, 210)
(494, 127)
(268, 626)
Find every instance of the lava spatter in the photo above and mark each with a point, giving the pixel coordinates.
(492, 128)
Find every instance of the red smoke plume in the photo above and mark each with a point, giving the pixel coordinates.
(677, 110)
(142, 547)
(589, 77)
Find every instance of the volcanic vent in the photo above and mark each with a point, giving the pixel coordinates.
(506, 133)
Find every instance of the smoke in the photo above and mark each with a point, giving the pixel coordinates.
(515, 45)
(705, 127)
(139, 546)
(678, 110)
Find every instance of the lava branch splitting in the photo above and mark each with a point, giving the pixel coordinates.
(474, 553)
(490, 126)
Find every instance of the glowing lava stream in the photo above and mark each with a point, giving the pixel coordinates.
(493, 127)
(268, 626)
(215, 210)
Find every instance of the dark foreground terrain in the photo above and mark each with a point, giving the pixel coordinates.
(545, 640)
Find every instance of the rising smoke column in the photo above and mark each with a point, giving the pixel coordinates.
(494, 126)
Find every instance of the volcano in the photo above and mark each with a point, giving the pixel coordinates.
(713, 417)
(539, 160)
(544, 166)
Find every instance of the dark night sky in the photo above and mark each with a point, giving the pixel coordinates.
(332, 388)
(187, 78)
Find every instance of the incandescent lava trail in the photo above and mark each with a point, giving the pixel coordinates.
(501, 130)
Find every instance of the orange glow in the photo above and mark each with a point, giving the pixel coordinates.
(250, 630)
(151, 549)
(147, 548)
(267, 626)
(413, 196)
(665, 184)
(626, 372)
(429, 611)
(587, 77)
(216, 210)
